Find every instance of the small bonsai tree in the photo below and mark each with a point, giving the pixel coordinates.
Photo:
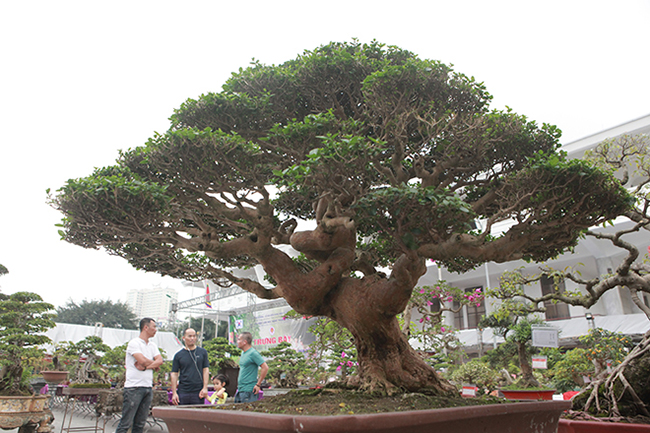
(86, 352)
(23, 319)
(287, 367)
(512, 323)
(221, 354)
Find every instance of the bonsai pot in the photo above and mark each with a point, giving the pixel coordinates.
(54, 376)
(528, 394)
(575, 426)
(534, 417)
(17, 412)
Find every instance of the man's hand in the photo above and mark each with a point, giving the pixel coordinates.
(140, 366)
(256, 389)
(203, 393)
(174, 397)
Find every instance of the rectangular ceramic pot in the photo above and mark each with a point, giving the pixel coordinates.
(533, 417)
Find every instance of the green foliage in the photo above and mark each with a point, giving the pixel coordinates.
(113, 360)
(477, 373)
(504, 357)
(287, 367)
(602, 345)
(408, 145)
(221, 354)
(24, 317)
(567, 373)
(111, 315)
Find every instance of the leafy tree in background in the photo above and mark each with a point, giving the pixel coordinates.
(209, 328)
(112, 315)
(393, 157)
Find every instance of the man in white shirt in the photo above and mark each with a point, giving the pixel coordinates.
(142, 359)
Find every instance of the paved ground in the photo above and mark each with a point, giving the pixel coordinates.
(84, 418)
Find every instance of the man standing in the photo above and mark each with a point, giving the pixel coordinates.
(192, 369)
(248, 384)
(142, 359)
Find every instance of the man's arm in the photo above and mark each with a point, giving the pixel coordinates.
(143, 363)
(264, 368)
(174, 377)
(206, 378)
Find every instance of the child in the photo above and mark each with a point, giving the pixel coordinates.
(220, 395)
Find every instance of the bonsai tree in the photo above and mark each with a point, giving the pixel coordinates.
(287, 367)
(113, 359)
(393, 158)
(221, 354)
(85, 353)
(23, 319)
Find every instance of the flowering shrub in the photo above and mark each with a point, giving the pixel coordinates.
(434, 336)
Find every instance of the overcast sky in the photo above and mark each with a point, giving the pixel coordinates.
(82, 79)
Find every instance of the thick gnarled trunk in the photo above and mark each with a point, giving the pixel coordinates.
(387, 362)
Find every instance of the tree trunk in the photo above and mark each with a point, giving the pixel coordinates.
(387, 362)
(527, 378)
(367, 307)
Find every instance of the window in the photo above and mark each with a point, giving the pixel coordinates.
(435, 305)
(557, 310)
(468, 316)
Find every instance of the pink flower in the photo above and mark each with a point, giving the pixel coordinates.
(350, 364)
(429, 303)
(422, 290)
(338, 368)
(421, 319)
(442, 329)
(342, 354)
(449, 299)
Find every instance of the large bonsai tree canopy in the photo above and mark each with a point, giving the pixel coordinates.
(395, 158)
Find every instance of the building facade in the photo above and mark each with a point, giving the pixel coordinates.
(615, 311)
(155, 303)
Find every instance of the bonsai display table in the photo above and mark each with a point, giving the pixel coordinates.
(75, 395)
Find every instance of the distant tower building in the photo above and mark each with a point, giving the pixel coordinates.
(154, 303)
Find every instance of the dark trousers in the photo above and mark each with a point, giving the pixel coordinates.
(135, 410)
(192, 398)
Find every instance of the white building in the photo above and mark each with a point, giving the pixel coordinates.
(615, 311)
(155, 302)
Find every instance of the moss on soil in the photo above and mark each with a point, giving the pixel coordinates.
(344, 402)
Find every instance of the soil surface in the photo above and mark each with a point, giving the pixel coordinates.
(346, 402)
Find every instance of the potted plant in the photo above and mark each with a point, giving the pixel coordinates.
(85, 353)
(23, 319)
(392, 158)
(58, 372)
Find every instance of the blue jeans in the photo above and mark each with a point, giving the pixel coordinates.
(245, 397)
(135, 410)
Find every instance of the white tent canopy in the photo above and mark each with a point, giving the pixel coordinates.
(112, 337)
